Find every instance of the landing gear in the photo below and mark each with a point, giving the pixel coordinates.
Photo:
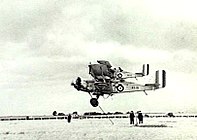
(94, 102)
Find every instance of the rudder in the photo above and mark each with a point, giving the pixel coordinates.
(160, 79)
(145, 69)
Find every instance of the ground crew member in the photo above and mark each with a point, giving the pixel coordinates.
(69, 118)
(131, 116)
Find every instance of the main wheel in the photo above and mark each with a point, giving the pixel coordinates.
(94, 102)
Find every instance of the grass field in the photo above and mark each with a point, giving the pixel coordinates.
(100, 129)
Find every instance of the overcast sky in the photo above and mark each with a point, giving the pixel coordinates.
(44, 45)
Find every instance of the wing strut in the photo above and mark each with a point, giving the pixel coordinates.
(90, 94)
(106, 115)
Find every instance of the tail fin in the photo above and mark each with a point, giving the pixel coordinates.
(145, 69)
(160, 79)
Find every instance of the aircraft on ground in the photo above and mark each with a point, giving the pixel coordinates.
(108, 81)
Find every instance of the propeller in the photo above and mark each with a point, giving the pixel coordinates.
(77, 83)
(72, 83)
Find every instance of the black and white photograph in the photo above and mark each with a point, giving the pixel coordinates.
(98, 70)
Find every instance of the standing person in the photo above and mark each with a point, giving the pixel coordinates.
(131, 116)
(140, 117)
(69, 118)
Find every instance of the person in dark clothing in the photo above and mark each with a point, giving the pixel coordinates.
(131, 116)
(140, 117)
(69, 118)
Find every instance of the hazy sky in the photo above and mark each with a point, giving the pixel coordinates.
(44, 45)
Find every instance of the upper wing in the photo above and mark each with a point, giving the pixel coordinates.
(104, 62)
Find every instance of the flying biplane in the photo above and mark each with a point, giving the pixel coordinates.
(108, 81)
(104, 70)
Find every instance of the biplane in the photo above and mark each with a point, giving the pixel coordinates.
(110, 81)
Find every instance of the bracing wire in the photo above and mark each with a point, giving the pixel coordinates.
(106, 115)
